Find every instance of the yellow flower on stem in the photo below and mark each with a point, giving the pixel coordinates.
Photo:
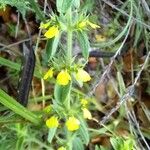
(72, 124)
(82, 24)
(84, 102)
(52, 32)
(49, 74)
(62, 148)
(100, 38)
(52, 122)
(82, 75)
(86, 113)
(63, 77)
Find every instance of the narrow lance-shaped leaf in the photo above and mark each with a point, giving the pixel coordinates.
(12, 104)
(51, 47)
(83, 131)
(77, 144)
(16, 66)
(84, 43)
(51, 134)
(61, 92)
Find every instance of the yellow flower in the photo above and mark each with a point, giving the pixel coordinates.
(49, 74)
(44, 25)
(82, 24)
(62, 148)
(72, 124)
(100, 38)
(85, 23)
(82, 75)
(94, 26)
(84, 102)
(52, 32)
(52, 122)
(63, 77)
(86, 114)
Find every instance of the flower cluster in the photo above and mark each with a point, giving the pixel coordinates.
(53, 28)
(72, 123)
(64, 76)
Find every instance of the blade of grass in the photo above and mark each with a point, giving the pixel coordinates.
(10, 64)
(16, 66)
(12, 104)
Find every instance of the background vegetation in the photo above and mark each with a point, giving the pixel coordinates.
(118, 93)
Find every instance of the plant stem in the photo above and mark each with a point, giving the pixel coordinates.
(69, 38)
(69, 47)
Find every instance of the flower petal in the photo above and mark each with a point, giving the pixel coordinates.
(52, 32)
(86, 114)
(100, 38)
(84, 102)
(72, 124)
(52, 122)
(82, 24)
(49, 74)
(83, 76)
(63, 78)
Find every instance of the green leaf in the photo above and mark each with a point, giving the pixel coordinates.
(76, 3)
(63, 5)
(51, 48)
(48, 49)
(16, 66)
(122, 90)
(97, 148)
(84, 43)
(129, 144)
(51, 134)
(77, 144)
(116, 142)
(122, 87)
(61, 92)
(12, 104)
(19, 143)
(21, 5)
(83, 131)
(9, 63)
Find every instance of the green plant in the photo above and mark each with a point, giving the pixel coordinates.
(65, 110)
(21, 5)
